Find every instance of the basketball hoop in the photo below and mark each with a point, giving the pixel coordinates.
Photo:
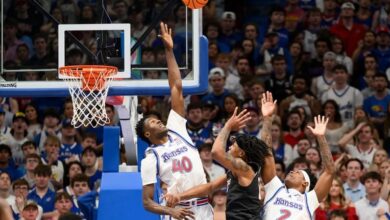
(88, 87)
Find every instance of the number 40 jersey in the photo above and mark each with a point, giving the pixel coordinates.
(177, 162)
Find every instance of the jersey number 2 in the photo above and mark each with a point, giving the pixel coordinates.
(285, 214)
(183, 165)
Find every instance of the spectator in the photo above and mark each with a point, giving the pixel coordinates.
(252, 126)
(195, 125)
(367, 79)
(213, 170)
(336, 200)
(229, 34)
(282, 151)
(63, 204)
(17, 136)
(380, 157)
(280, 168)
(314, 67)
(367, 207)
(300, 97)
(70, 149)
(218, 92)
(50, 157)
(5, 188)
(51, 121)
(279, 84)
(256, 89)
(363, 149)
(32, 161)
(382, 50)
(347, 29)
(354, 189)
(41, 194)
(312, 31)
(4, 129)
(376, 105)
(348, 98)
(230, 103)
(20, 188)
(41, 57)
(219, 199)
(224, 61)
(329, 15)
(294, 133)
(341, 57)
(29, 147)
(71, 170)
(30, 211)
(277, 19)
(11, 42)
(120, 8)
(335, 128)
(34, 127)
(23, 55)
(88, 159)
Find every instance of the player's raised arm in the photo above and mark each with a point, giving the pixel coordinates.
(267, 109)
(218, 151)
(174, 77)
(325, 181)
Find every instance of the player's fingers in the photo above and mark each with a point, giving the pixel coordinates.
(263, 99)
(162, 27)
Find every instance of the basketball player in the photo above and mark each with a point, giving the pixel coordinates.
(172, 155)
(243, 160)
(293, 200)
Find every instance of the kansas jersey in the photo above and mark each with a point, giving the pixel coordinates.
(177, 162)
(348, 99)
(282, 203)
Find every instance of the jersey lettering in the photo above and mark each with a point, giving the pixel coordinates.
(285, 214)
(183, 165)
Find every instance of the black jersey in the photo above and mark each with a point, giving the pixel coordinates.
(242, 202)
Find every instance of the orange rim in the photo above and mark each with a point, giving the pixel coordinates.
(96, 74)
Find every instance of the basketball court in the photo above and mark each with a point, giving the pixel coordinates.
(114, 66)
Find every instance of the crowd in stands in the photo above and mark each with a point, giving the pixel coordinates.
(327, 57)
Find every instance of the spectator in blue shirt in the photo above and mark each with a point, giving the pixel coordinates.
(70, 149)
(89, 160)
(41, 194)
(6, 163)
(376, 105)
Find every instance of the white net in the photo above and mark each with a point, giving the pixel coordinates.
(88, 87)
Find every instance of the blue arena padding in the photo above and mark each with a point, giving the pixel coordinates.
(120, 193)
(111, 149)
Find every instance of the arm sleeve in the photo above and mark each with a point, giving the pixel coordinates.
(177, 124)
(149, 169)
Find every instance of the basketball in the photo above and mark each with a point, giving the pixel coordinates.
(195, 4)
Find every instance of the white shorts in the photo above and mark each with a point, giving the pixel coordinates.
(203, 212)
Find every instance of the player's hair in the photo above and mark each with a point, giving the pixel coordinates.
(255, 150)
(139, 129)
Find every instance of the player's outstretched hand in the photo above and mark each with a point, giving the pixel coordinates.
(182, 213)
(166, 35)
(236, 122)
(320, 123)
(267, 104)
(171, 200)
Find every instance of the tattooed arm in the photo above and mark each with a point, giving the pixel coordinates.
(236, 165)
(325, 181)
(267, 109)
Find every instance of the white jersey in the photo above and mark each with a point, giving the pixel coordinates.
(283, 203)
(320, 85)
(348, 99)
(177, 162)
